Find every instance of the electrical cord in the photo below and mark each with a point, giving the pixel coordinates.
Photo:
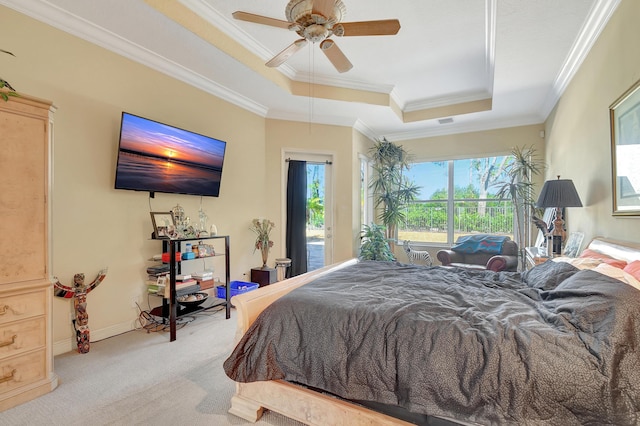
(151, 323)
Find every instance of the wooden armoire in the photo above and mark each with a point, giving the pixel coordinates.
(26, 290)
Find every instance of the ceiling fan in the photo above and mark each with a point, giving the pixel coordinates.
(316, 21)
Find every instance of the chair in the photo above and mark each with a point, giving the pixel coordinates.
(482, 252)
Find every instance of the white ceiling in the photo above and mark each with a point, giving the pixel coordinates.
(517, 55)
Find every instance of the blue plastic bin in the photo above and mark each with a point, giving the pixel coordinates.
(236, 287)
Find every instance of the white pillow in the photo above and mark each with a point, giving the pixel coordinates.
(579, 262)
(617, 273)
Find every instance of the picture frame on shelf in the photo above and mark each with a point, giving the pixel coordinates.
(163, 224)
(573, 244)
(624, 116)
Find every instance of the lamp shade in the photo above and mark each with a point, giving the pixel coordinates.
(559, 193)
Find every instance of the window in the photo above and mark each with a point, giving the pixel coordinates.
(457, 197)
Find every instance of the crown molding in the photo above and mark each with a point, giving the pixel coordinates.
(448, 129)
(441, 102)
(227, 25)
(367, 131)
(479, 95)
(437, 130)
(330, 120)
(50, 14)
(595, 23)
(343, 83)
(490, 44)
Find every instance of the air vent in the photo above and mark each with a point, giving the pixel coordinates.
(447, 120)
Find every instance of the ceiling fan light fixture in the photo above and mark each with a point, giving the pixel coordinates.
(315, 33)
(297, 9)
(338, 30)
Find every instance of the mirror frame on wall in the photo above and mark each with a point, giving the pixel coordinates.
(624, 116)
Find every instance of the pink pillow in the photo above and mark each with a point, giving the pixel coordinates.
(606, 259)
(633, 268)
(618, 274)
(579, 262)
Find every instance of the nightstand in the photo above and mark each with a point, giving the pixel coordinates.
(263, 276)
(535, 256)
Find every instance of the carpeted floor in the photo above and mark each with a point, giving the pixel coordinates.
(141, 378)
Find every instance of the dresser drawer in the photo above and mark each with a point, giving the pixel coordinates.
(22, 370)
(22, 336)
(21, 306)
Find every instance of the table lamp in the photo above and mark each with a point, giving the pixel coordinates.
(558, 194)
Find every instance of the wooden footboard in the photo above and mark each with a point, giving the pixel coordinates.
(303, 405)
(293, 401)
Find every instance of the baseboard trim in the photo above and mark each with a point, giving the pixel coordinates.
(67, 345)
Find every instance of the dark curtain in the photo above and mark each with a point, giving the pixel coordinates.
(297, 217)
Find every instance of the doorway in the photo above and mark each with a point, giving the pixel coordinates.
(319, 217)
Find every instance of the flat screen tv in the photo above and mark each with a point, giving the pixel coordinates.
(155, 157)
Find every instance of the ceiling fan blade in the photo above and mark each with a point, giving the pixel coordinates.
(281, 57)
(335, 55)
(323, 7)
(259, 19)
(369, 28)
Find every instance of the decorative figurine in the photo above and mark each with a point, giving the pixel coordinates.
(79, 293)
(202, 229)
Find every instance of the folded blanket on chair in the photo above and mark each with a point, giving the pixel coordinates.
(480, 244)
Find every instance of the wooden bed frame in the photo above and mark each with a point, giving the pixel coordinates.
(314, 408)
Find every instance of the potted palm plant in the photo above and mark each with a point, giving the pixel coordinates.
(392, 189)
(518, 186)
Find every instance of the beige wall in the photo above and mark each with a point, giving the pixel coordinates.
(361, 147)
(95, 225)
(578, 138)
(283, 136)
(476, 144)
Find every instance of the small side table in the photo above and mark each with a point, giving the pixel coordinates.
(535, 256)
(263, 276)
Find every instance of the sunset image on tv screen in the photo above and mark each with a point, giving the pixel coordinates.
(156, 157)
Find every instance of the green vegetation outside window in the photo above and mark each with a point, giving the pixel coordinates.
(457, 197)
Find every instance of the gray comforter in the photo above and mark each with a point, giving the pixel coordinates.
(554, 345)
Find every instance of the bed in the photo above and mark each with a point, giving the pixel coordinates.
(381, 343)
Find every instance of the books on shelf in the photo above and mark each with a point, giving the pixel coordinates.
(205, 284)
(206, 274)
(204, 278)
(157, 270)
(161, 286)
(158, 280)
(157, 277)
